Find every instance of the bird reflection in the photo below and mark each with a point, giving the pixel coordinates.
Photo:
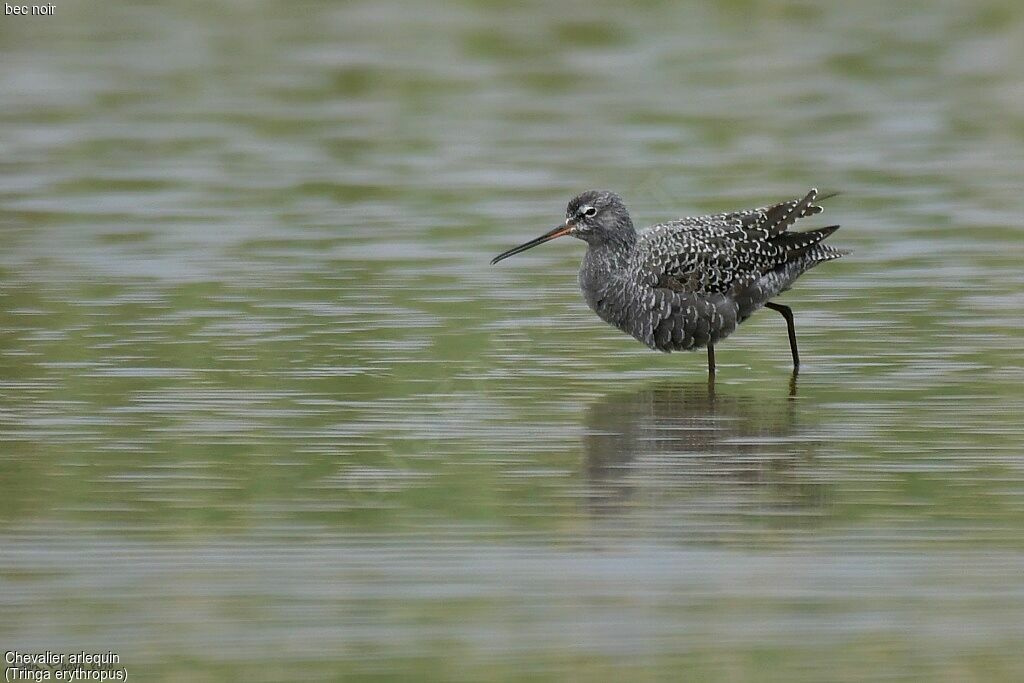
(691, 444)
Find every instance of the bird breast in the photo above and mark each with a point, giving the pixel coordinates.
(617, 298)
(661, 318)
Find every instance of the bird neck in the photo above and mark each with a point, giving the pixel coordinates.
(620, 243)
(609, 257)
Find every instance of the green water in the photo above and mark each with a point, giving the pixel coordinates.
(267, 413)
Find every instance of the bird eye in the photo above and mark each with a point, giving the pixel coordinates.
(589, 211)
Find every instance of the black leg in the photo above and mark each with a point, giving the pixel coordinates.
(787, 313)
(711, 371)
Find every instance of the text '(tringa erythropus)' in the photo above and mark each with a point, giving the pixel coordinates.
(687, 284)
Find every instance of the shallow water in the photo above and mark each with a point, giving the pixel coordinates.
(266, 412)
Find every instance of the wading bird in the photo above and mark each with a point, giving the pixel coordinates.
(687, 284)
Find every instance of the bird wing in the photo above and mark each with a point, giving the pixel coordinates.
(717, 253)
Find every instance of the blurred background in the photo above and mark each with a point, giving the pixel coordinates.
(267, 413)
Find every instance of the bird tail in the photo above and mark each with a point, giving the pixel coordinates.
(799, 243)
(751, 295)
(782, 216)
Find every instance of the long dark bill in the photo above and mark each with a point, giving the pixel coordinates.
(546, 237)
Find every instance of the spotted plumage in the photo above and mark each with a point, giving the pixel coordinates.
(687, 284)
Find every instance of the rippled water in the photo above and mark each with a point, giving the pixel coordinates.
(267, 413)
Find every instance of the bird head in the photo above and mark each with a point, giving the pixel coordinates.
(594, 216)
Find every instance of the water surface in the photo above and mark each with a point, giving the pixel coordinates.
(267, 413)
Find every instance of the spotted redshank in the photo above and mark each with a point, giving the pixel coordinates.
(687, 284)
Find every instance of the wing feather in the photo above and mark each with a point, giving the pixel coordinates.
(720, 252)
